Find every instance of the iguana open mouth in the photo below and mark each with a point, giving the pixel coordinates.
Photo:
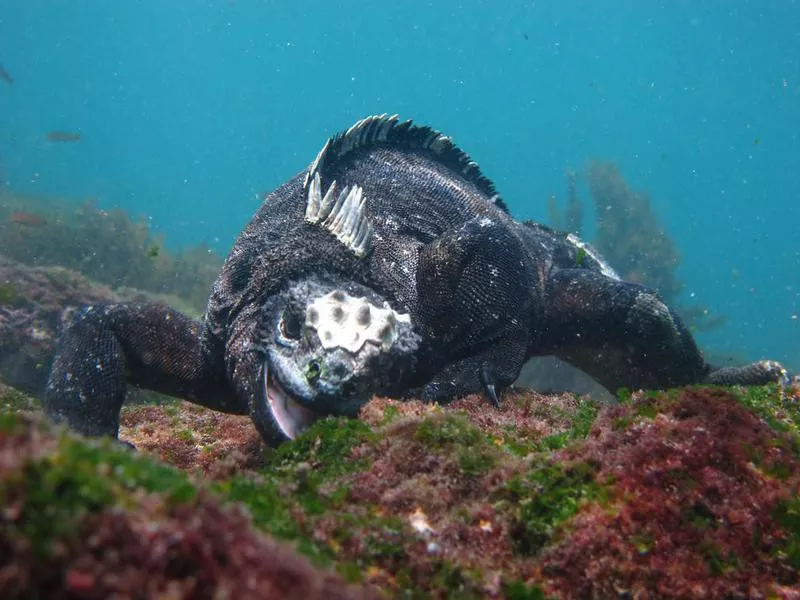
(289, 415)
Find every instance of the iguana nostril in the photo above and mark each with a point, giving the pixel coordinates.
(313, 371)
(339, 370)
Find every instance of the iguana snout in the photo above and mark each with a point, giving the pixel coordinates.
(329, 346)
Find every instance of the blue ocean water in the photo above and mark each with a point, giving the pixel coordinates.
(190, 110)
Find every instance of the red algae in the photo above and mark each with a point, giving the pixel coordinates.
(184, 551)
(670, 495)
(144, 545)
(690, 512)
(530, 414)
(193, 438)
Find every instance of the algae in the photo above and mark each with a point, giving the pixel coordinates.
(505, 511)
(544, 499)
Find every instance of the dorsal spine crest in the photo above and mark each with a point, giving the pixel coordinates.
(386, 129)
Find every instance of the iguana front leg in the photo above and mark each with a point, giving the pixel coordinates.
(103, 348)
(475, 297)
(623, 335)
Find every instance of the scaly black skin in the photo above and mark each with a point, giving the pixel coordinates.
(484, 293)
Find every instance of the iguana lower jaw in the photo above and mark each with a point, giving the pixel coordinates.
(290, 417)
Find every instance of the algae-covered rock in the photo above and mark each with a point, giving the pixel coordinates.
(688, 493)
(33, 303)
(83, 519)
(56, 255)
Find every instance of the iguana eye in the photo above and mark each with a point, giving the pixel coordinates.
(290, 325)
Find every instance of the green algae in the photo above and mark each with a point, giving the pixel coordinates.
(622, 423)
(643, 542)
(53, 492)
(699, 516)
(583, 417)
(545, 498)
(390, 413)
(12, 400)
(651, 403)
(300, 479)
(9, 295)
(327, 444)
(624, 395)
(780, 410)
(185, 435)
(516, 445)
(517, 590)
(719, 563)
(454, 435)
(647, 410)
(275, 511)
(787, 513)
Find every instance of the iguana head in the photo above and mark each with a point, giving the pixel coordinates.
(329, 346)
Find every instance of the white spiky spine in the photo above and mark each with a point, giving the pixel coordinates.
(343, 215)
(348, 322)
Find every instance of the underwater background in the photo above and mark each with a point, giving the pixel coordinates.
(188, 112)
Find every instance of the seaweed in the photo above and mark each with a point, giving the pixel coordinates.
(630, 237)
(107, 246)
(685, 493)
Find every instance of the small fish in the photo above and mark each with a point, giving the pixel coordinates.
(6, 76)
(525, 35)
(153, 251)
(756, 141)
(27, 219)
(63, 136)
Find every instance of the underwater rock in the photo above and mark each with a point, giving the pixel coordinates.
(33, 301)
(194, 439)
(94, 521)
(107, 246)
(688, 493)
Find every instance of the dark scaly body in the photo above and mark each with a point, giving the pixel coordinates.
(416, 282)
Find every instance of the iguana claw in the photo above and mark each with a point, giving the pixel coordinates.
(489, 386)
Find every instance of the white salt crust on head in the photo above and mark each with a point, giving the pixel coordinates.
(345, 321)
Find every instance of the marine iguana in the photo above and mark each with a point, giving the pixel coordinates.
(389, 266)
